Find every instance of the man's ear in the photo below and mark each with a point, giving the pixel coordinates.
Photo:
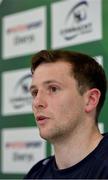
(92, 97)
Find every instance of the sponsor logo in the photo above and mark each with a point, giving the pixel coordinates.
(16, 97)
(20, 145)
(19, 39)
(22, 28)
(76, 21)
(24, 32)
(22, 148)
(24, 39)
(21, 92)
(76, 24)
(23, 157)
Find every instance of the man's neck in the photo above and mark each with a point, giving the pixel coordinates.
(76, 148)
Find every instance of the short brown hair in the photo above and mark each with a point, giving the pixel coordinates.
(87, 72)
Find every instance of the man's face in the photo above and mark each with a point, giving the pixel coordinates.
(57, 105)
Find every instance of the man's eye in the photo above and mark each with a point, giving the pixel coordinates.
(53, 88)
(34, 93)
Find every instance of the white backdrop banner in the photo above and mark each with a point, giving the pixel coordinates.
(21, 149)
(24, 33)
(16, 98)
(75, 22)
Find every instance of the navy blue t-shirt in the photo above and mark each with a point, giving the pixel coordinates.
(94, 166)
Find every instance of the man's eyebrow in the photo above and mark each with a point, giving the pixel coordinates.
(32, 87)
(45, 83)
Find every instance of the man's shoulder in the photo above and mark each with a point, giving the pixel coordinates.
(43, 162)
(101, 152)
(39, 166)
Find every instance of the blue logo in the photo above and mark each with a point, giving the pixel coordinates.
(21, 92)
(76, 21)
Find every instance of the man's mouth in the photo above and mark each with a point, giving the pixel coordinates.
(42, 119)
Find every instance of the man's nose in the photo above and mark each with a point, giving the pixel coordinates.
(40, 100)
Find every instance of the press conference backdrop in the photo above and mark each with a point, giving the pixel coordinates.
(27, 26)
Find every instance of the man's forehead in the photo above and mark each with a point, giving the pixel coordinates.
(52, 72)
(53, 68)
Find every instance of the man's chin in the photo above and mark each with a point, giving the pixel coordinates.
(48, 137)
(44, 136)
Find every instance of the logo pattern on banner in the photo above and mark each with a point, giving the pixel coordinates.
(22, 94)
(76, 21)
(24, 33)
(16, 98)
(21, 148)
(76, 24)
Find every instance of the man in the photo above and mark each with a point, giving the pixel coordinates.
(68, 90)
